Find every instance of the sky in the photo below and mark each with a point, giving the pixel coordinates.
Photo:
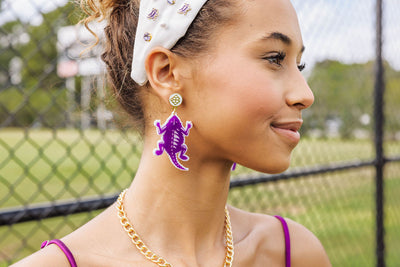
(332, 29)
(27, 10)
(345, 30)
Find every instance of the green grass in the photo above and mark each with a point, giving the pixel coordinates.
(338, 207)
(65, 164)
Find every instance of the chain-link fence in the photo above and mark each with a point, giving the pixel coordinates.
(63, 155)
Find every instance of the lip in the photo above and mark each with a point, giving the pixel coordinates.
(289, 130)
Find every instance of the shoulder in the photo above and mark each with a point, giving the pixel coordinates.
(49, 256)
(307, 250)
(264, 235)
(258, 239)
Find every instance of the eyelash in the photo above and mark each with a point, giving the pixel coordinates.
(302, 66)
(279, 57)
(276, 59)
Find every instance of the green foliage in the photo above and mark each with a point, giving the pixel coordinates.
(344, 92)
(40, 107)
(40, 95)
(341, 92)
(392, 101)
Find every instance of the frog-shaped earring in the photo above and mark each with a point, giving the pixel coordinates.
(173, 135)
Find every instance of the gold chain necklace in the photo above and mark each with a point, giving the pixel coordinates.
(137, 241)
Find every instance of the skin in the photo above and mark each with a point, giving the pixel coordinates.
(245, 104)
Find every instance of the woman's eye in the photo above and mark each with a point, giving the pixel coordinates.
(301, 67)
(276, 59)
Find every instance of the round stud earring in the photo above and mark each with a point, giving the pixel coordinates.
(175, 100)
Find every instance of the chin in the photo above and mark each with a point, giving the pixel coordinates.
(278, 170)
(272, 167)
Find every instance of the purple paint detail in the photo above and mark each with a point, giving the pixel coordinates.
(153, 14)
(147, 37)
(173, 140)
(184, 9)
(233, 166)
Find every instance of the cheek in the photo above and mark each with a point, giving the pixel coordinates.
(243, 109)
(253, 94)
(261, 100)
(241, 92)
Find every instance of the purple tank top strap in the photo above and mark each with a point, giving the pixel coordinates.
(287, 240)
(64, 249)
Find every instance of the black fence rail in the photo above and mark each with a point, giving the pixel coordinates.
(64, 156)
(39, 212)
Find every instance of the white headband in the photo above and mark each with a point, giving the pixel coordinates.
(161, 23)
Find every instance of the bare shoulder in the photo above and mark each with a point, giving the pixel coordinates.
(307, 250)
(258, 239)
(50, 256)
(264, 235)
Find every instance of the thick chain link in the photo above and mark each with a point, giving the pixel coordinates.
(137, 241)
(229, 240)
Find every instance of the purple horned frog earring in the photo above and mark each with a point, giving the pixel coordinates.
(173, 135)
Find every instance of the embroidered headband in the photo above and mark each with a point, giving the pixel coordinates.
(161, 23)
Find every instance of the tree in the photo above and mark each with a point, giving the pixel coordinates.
(392, 102)
(344, 92)
(40, 93)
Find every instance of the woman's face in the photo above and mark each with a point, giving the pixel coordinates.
(247, 96)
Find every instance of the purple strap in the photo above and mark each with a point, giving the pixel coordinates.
(64, 249)
(287, 240)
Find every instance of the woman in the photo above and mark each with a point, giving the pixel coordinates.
(236, 71)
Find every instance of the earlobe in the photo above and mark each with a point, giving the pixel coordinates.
(160, 64)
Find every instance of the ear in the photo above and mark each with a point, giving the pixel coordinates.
(161, 69)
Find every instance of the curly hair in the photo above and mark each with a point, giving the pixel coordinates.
(122, 18)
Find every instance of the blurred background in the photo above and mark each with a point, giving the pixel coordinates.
(66, 149)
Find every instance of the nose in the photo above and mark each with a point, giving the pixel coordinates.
(299, 94)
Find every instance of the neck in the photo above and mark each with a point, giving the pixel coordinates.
(186, 207)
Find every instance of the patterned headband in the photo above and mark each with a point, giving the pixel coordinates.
(161, 23)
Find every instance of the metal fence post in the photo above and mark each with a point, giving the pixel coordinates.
(379, 125)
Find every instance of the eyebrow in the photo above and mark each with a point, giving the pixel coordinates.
(281, 37)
